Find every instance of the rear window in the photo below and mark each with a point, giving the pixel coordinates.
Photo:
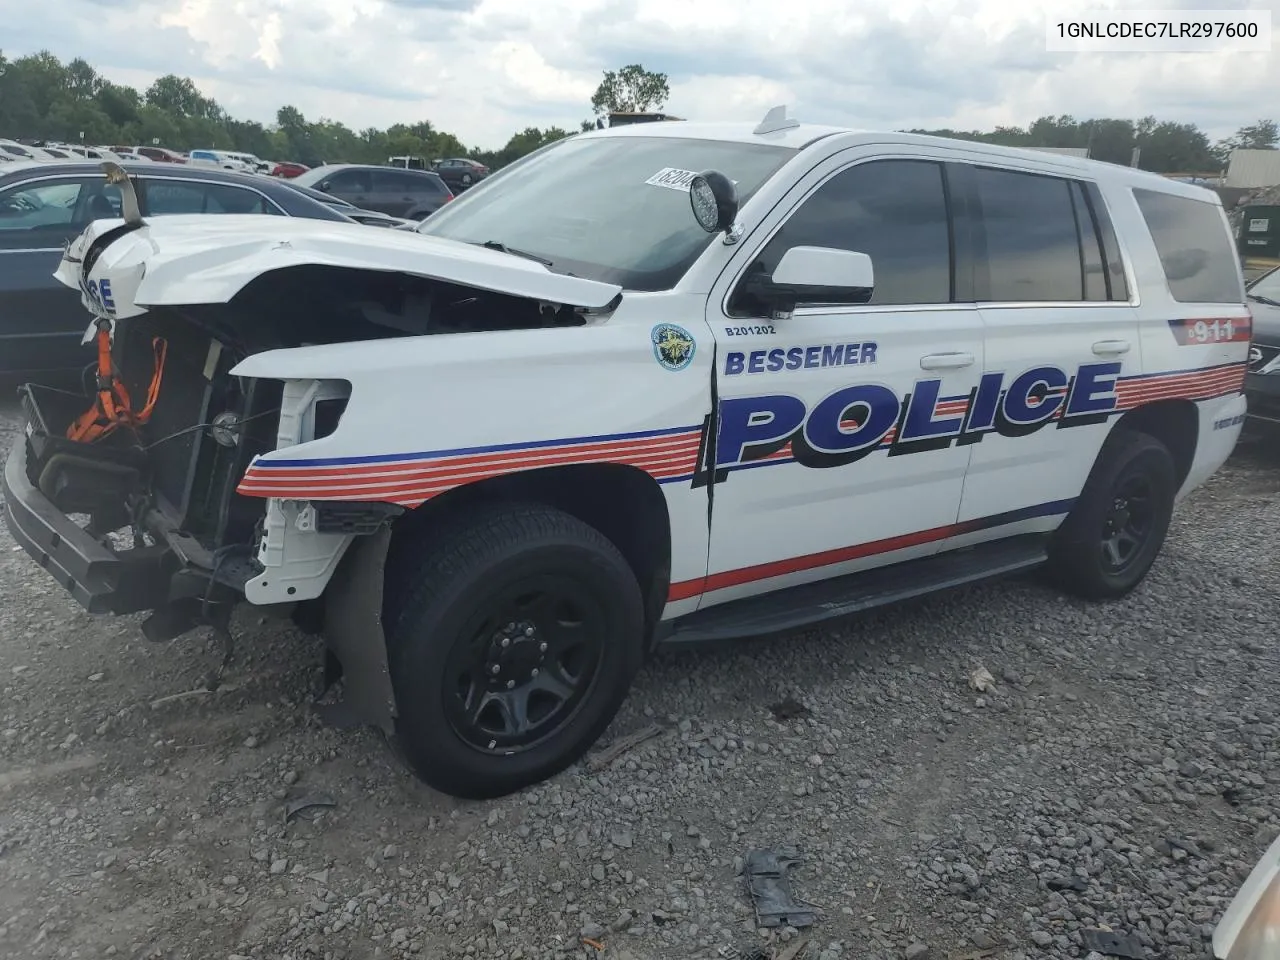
(1194, 246)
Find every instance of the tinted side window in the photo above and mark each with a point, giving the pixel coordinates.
(165, 198)
(430, 185)
(392, 181)
(1095, 277)
(51, 211)
(226, 198)
(350, 182)
(1033, 249)
(895, 211)
(168, 198)
(1194, 247)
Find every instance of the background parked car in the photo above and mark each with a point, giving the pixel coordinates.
(460, 172)
(44, 205)
(411, 194)
(372, 218)
(21, 151)
(94, 153)
(1262, 383)
(160, 154)
(288, 169)
(217, 158)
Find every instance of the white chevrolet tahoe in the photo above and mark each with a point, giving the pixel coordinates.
(655, 384)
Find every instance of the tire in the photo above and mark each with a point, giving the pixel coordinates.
(461, 689)
(466, 179)
(1137, 469)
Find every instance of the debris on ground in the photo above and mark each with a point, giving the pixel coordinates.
(766, 873)
(1112, 944)
(789, 709)
(1058, 884)
(982, 680)
(630, 741)
(315, 801)
(794, 951)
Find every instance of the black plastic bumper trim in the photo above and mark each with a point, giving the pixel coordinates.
(101, 580)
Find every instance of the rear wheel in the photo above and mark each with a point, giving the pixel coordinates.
(1113, 534)
(512, 644)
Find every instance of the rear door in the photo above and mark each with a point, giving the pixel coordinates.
(1061, 337)
(42, 321)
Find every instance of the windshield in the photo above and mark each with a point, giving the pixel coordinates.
(613, 209)
(1267, 286)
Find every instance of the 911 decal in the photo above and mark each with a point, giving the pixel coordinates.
(855, 420)
(1203, 331)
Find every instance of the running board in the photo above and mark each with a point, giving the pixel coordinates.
(795, 608)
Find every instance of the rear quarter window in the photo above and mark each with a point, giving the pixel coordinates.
(1194, 247)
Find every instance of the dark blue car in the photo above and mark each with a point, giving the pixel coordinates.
(43, 205)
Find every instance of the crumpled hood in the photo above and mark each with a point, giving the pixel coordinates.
(209, 258)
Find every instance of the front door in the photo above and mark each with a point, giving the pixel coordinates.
(834, 436)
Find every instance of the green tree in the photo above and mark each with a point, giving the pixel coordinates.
(631, 89)
(1263, 135)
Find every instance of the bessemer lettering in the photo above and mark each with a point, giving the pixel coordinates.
(853, 421)
(797, 358)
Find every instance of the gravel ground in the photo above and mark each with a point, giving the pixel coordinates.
(1121, 772)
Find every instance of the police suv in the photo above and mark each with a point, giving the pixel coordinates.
(654, 384)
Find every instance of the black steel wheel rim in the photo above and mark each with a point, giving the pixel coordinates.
(523, 665)
(1129, 523)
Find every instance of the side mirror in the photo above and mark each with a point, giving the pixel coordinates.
(714, 199)
(326, 185)
(815, 275)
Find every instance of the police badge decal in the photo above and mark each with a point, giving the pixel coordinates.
(673, 346)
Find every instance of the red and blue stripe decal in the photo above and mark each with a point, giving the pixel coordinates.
(668, 455)
(812, 561)
(410, 479)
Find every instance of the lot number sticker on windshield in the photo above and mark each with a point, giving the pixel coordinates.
(672, 177)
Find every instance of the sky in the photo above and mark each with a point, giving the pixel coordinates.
(483, 69)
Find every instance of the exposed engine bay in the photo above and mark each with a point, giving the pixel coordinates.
(161, 476)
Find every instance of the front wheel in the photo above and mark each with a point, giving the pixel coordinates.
(512, 644)
(1112, 536)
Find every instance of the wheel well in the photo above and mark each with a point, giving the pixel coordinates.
(622, 502)
(1175, 423)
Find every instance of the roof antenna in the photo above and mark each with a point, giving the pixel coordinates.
(775, 120)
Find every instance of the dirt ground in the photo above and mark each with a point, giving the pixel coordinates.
(1121, 772)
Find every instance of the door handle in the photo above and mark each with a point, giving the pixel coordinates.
(1106, 348)
(946, 361)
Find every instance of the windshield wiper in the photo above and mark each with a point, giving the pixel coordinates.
(1261, 299)
(503, 248)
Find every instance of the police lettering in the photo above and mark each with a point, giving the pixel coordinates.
(851, 422)
(799, 358)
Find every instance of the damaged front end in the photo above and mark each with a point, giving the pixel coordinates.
(134, 496)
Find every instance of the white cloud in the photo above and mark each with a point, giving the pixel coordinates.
(486, 68)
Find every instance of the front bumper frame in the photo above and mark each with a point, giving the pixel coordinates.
(101, 579)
